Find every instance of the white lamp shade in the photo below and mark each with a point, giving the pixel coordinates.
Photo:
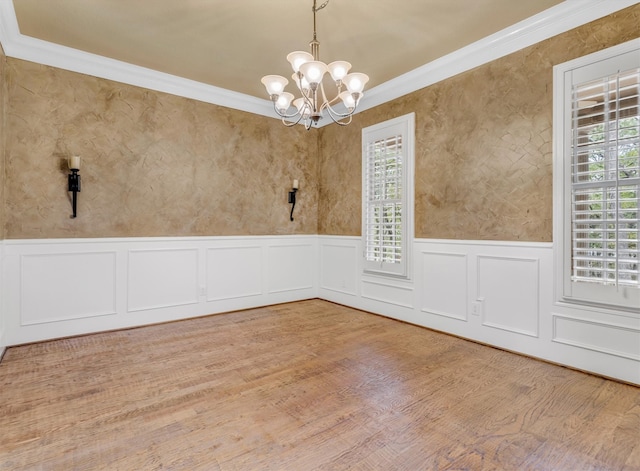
(348, 100)
(302, 83)
(297, 58)
(355, 82)
(313, 71)
(339, 69)
(284, 101)
(274, 84)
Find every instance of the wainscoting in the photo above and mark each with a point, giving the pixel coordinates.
(498, 293)
(58, 288)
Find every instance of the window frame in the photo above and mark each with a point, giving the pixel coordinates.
(404, 126)
(601, 64)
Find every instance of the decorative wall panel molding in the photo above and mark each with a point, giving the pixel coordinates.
(63, 286)
(514, 279)
(291, 267)
(508, 289)
(605, 338)
(383, 291)
(160, 278)
(502, 291)
(339, 268)
(234, 272)
(444, 284)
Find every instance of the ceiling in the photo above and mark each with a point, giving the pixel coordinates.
(231, 44)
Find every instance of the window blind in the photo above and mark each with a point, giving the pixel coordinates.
(384, 200)
(605, 180)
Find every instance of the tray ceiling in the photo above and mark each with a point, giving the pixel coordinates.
(232, 44)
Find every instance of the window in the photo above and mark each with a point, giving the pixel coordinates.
(387, 200)
(599, 167)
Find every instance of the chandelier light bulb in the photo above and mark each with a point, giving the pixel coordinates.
(339, 70)
(274, 84)
(355, 82)
(284, 101)
(349, 101)
(313, 71)
(297, 58)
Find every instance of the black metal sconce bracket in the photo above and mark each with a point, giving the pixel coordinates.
(74, 187)
(292, 200)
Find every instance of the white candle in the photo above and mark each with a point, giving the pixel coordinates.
(74, 162)
(295, 184)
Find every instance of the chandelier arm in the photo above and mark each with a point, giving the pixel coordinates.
(324, 97)
(284, 115)
(339, 117)
(335, 99)
(291, 123)
(311, 100)
(326, 104)
(298, 82)
(344, 123)
(333, 112)
(311, 103)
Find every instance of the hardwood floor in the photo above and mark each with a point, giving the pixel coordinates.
(304, 386)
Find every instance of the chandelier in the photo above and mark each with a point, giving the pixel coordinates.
(308, 74)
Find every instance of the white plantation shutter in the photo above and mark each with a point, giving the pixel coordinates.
(602, 256)
(387, 150)
(606, 177)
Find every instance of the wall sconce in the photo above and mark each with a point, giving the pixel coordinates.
(292, 197)
(74, 181)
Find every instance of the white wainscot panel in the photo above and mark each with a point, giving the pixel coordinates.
(291, 267)
(600, 337)
(509, 290)
(444, 284)
(234, 272)
(339, 267)
(388, 293)
(64, 286)
(162, 278)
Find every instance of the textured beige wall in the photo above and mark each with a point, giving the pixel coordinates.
(3, 115)
(160, 165)
(483, 145)
(153, 164)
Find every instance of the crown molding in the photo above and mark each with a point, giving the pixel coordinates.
(23, 47)
(556, 20)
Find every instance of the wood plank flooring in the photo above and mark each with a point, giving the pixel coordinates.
(304, 386)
